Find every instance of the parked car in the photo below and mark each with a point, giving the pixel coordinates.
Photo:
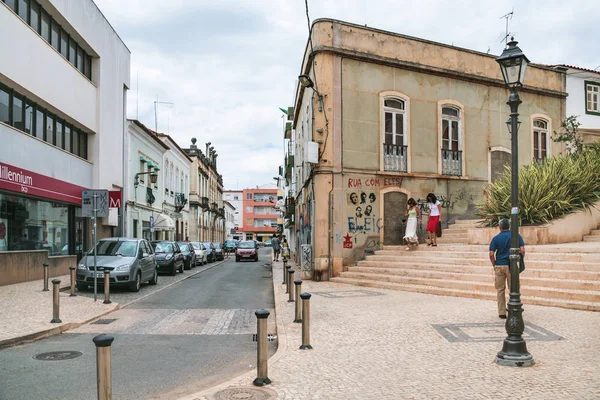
(230, 246)
(268, 243)
(188, 252)
(219, 255)
(210, 251)
(130, 262)
(246, 249)
(200, 251)
(168, 257)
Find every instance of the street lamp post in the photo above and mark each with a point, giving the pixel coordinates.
(513, 64)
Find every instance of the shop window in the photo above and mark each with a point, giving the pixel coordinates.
(39, 124)
(34, 20)
(24, 10)
(75, 149)
(64, 43)
(67, 138)
(49, 136)
(28, 224)
(4, 106)
(29, 116)
(12, 4)
(72, 51)
(59, 135)
(45, 29)
(17, 113)
(55, 35)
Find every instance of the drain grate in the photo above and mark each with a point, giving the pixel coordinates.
(246, 393)
(57, 355)
(270, 337)
(105, 321)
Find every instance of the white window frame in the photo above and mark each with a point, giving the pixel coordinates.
(461, 132)
(592, 89)
(394, 95)
(548, 121)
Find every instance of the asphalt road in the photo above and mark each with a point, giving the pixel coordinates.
(185, 338)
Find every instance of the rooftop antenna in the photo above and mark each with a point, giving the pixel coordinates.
(156, 103)
(137, 96)
(507, 33)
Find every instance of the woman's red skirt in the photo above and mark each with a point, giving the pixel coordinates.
(432, 223)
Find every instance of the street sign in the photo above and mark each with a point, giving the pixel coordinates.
(87, 203)
(115, 198)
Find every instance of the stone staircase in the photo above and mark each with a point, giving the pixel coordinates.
(556, 275)
(594, 236)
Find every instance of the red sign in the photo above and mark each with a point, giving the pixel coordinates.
(114, 199)
(26, 182)
(347, 241)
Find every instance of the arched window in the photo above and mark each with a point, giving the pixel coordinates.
(167, 175)
(541, 139)
(394, 135)
(451, 137)
(451, 128)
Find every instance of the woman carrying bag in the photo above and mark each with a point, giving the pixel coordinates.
(435, 214)
(413, 215)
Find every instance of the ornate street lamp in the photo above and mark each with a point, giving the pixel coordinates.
(513, 64)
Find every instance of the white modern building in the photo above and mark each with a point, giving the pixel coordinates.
(64, 78)
(236, 199)
(583, 86)
(230, 214)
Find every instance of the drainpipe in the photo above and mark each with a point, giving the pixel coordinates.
(448, 197)
(331, 233)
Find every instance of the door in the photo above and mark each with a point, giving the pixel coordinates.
(394, 206)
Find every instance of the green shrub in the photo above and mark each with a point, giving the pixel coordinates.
(547, 190)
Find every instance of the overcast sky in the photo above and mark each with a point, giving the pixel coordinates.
(228, 65)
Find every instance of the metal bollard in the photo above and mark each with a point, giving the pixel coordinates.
(298, 284)
(45, 278)
(284, 273)
(289, 288)
(287, 282)
(103, 368)
(55, 301)
(305, 321)
(72, 272)
(261, 339)
(107, 287)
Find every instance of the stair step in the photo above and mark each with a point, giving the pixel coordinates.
(591, 238)
(444, 252)
(595, 232)
(487, 275)
(467, 221)
(424, 258)
(571, 304)
(547, 292)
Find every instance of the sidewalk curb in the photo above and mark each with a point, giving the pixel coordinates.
(282, 347)
(32, 337)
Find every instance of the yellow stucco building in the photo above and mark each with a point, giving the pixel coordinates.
(396, 117)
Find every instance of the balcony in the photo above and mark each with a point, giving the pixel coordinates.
(451, 162)
(150, 199)
(180, 201)
(204, 203)
(395, 158)
(214, 207)
(290, 209)
(221, 212)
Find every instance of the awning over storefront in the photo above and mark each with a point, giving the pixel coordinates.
(164, 223)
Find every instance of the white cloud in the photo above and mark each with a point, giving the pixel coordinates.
(228, 65)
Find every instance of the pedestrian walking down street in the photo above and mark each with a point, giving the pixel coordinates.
(413, 214)
(499, 256)
(285, 248)
(435, 214)
(276, 244)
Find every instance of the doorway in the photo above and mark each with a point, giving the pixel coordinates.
(394, 206)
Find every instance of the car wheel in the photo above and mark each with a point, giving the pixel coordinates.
(81, 286)
(154, 279)
(256, 259)
(182, 267)
(174, 269)
(188, 266)
(137, 283)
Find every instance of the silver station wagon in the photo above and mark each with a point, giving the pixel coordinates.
(130, 262)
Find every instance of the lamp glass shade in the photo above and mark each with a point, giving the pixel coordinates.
(153, 178)
(305, 81)
(513, 64)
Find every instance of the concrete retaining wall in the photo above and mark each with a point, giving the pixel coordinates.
(24, 266)
(571, 228)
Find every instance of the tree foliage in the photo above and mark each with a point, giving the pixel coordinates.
(569, 135)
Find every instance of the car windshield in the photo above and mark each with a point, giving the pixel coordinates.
(217, 245)
(115, 248)
(207, 245)
(163, 247)
(196, 245)
(183, 246)
(246, 245)
(229, 243)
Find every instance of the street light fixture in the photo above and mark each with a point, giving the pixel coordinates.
(153, 177)
(307, 82)
(513, 64)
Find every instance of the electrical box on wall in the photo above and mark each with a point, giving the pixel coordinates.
(312, 152)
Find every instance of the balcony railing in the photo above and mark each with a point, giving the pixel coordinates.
(204, 203)
(451, 162)
(395, 158)
(150, 199)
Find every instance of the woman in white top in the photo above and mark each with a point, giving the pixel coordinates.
(435, 213)
(413, 215)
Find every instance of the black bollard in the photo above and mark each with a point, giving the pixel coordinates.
(261, 352)
(72, 272)
(298, 310)
(289, 288)
(55, 301)
(103, 367)
(45, 278)
(287, 283)
(284, 273)
(305, 321)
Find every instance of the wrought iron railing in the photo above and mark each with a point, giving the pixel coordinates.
(150, 199)
(451, 162)
(204, 203)
(395, 158)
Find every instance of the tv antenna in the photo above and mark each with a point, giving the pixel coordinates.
(507, 33)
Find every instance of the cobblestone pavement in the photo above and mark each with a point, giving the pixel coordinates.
(26, 310)
(383, 344)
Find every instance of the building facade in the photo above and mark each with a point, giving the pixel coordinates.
(230, 213)
(206, 196)
(235, 198)
(259, 213)
(390, 117)
(63, 90)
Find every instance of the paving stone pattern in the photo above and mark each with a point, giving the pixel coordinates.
(386, 347)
